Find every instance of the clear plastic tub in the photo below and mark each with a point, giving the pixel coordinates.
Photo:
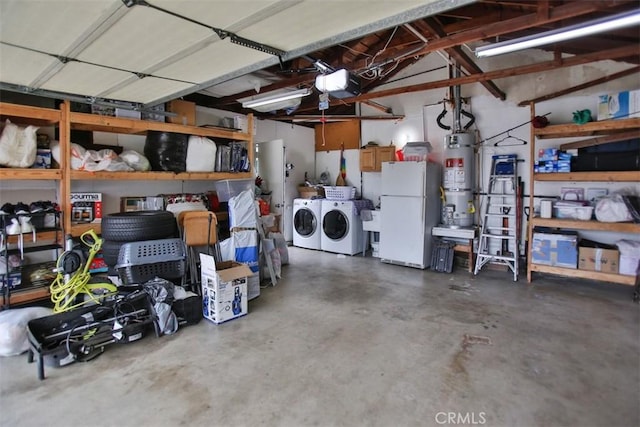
(228, 188)
(582, 213)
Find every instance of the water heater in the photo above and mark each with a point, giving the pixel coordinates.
(458, 180)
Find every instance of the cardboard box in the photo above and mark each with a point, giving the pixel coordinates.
(621, 105)
(598, 259)
(559, 250)
(224, 289)
(185, 110)
(86, 208)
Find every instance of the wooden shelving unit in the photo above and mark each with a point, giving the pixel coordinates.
(569, 130)
(156, 176)
(612, 227)
(589, 176)
(592, 275)
(66, 120)
(608, 127)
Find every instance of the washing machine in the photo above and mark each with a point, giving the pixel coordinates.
(341, 228)
(306, 223)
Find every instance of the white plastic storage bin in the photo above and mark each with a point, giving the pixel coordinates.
(228, 188)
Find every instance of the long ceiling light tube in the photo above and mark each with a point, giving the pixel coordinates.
(613, 22)
(265, 100)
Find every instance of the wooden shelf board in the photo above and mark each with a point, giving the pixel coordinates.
(27, 115)
(589, 176)
(592, 128)
(612, 227)
(79, 229)
(48, 235)
(94, 122)
(158, 176)
(18, 296)
(30, 174)
(594, 275)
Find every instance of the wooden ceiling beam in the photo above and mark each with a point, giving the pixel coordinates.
(566, 11)
(461, 58)
(478, 20)
(507, 72)
(333, 117)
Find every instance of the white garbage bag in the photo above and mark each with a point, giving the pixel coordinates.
(18, 145)
(201, 154)
(13, 328)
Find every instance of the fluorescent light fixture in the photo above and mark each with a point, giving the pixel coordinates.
(275, 99)
(613, 22)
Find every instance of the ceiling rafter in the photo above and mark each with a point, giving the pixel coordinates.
(461, 58)
(569, 10)
(503, 73)
(383, 56)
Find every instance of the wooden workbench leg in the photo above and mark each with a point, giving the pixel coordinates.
(471, 263)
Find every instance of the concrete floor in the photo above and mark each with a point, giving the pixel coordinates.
(350, 341)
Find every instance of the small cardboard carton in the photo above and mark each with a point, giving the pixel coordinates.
(86, 208)
(598, 259)
(559, 250)
(224, 289)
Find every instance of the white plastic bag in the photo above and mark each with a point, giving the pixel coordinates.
(135, 160)
(13, 328)
(18, 146)
(201, 154)
(612, 209)
(269, 247)
(118, 165)
(281, 246)
(77, 154)
(242, 210)
(227, 250)
(98, 160)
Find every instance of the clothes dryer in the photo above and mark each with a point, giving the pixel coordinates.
(341, 227)
(306, 223)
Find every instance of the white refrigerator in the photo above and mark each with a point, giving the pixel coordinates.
(409, 208)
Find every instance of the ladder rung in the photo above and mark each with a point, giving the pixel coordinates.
(503, 215)
(498, 257)
(499, 228)
(503, 205)
(501, 194)
(498, 236)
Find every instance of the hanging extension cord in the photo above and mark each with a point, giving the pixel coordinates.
(66, 291)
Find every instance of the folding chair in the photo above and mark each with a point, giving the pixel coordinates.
(199, 229)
